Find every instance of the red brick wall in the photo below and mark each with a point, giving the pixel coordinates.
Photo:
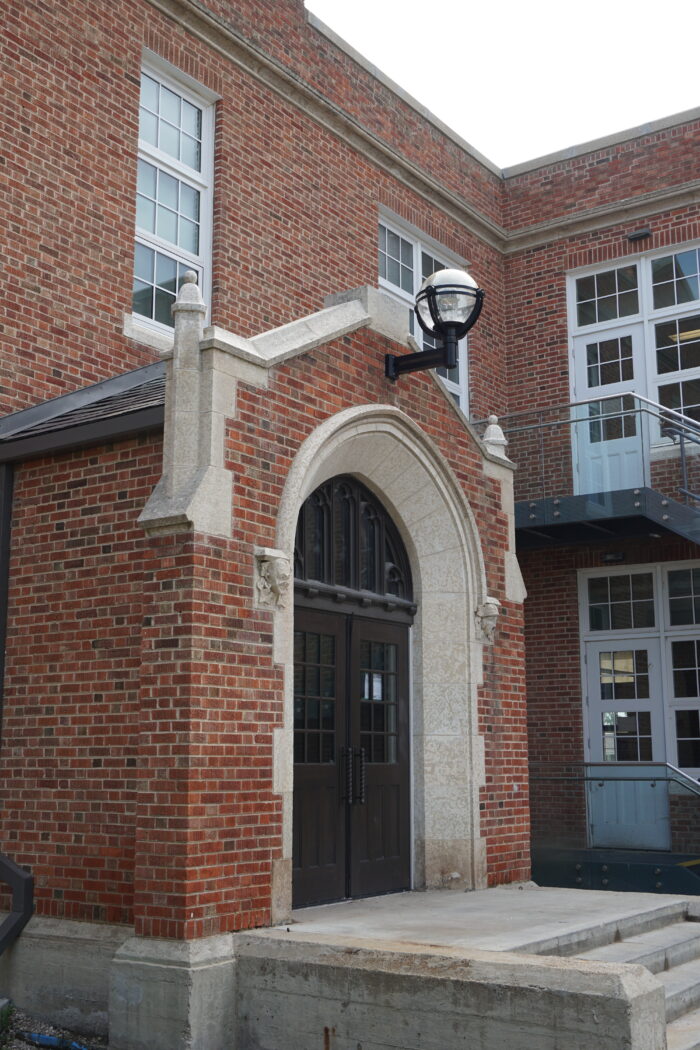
(70, 741)
(282, 32)
(295, 206)
(685, 825)
(602, 176)
(139, 731)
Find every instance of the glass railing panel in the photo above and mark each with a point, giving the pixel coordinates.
(615, 805)
(558, 814)
(628, 807)
(610, 444)
(608, 438)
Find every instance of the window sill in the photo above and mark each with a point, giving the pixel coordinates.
(143, 333)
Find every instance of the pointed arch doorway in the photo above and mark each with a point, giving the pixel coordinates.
(353, 610)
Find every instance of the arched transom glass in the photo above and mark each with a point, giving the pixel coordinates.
(345, 539)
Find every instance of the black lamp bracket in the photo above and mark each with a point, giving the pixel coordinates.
(444, 356)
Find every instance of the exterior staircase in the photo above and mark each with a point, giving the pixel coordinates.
(667, 942)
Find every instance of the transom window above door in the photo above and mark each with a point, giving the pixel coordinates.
(346, 541)
(607, 295)
(621, 602)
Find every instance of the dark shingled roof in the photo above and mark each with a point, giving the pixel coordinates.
(147, 396)
(128, 404)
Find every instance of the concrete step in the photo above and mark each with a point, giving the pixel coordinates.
(682, 987)
(684, 1032)
(658, 949)
(574, 942)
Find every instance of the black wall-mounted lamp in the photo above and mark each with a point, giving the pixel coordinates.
(447, 306)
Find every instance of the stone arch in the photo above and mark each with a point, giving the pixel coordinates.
(385, 449)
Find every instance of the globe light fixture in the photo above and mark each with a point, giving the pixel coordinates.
(447, 306)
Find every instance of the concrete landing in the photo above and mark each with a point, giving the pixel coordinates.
(523, 918)
(429, 970)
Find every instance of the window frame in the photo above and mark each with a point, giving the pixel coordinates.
(420, 244)
(205, 100)
(664, 632)
(645, 321)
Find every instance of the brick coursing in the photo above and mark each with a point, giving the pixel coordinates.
(140, 693)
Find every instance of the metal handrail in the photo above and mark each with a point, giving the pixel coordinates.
(674, 425)
(692, 424)
(21, 883)
(671, 773)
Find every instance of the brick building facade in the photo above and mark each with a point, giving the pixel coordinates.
(155, 464)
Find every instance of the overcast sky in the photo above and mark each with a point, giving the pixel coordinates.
(521, 78)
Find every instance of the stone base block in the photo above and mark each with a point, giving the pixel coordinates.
(173, 995)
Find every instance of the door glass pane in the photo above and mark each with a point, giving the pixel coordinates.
(379, 701)
(314, 677)
(609, 361)
(688, 736)
(627, 736)
(624, 675)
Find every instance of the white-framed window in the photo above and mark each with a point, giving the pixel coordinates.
(640, 646)
(405, 259)
(173, 193)
(636, 324)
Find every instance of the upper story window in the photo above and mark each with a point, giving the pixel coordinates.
(636, 327)
(173, 193)
(404, 263)
(675, 278)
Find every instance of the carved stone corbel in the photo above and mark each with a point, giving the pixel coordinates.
(487, 618)
(273, 577)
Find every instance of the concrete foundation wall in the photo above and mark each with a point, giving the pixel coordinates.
(268, 991)
(295, 996)
(59, 971)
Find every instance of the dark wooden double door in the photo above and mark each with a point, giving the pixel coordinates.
(351, 757)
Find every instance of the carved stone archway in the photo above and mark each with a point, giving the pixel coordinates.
(384, 449)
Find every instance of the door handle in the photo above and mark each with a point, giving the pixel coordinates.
(347, 771)
(359, 779)
(354, 776)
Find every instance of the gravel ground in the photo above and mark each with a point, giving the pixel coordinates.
(23, 1023)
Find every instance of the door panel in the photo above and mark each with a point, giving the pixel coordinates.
(609, 439)
(625, 700)
(351, 773)
(380, 829)
(319, 847)
(626, 807)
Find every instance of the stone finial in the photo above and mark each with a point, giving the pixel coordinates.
(189, 296)
(273, 575)
(494, 438)
(487, 618)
